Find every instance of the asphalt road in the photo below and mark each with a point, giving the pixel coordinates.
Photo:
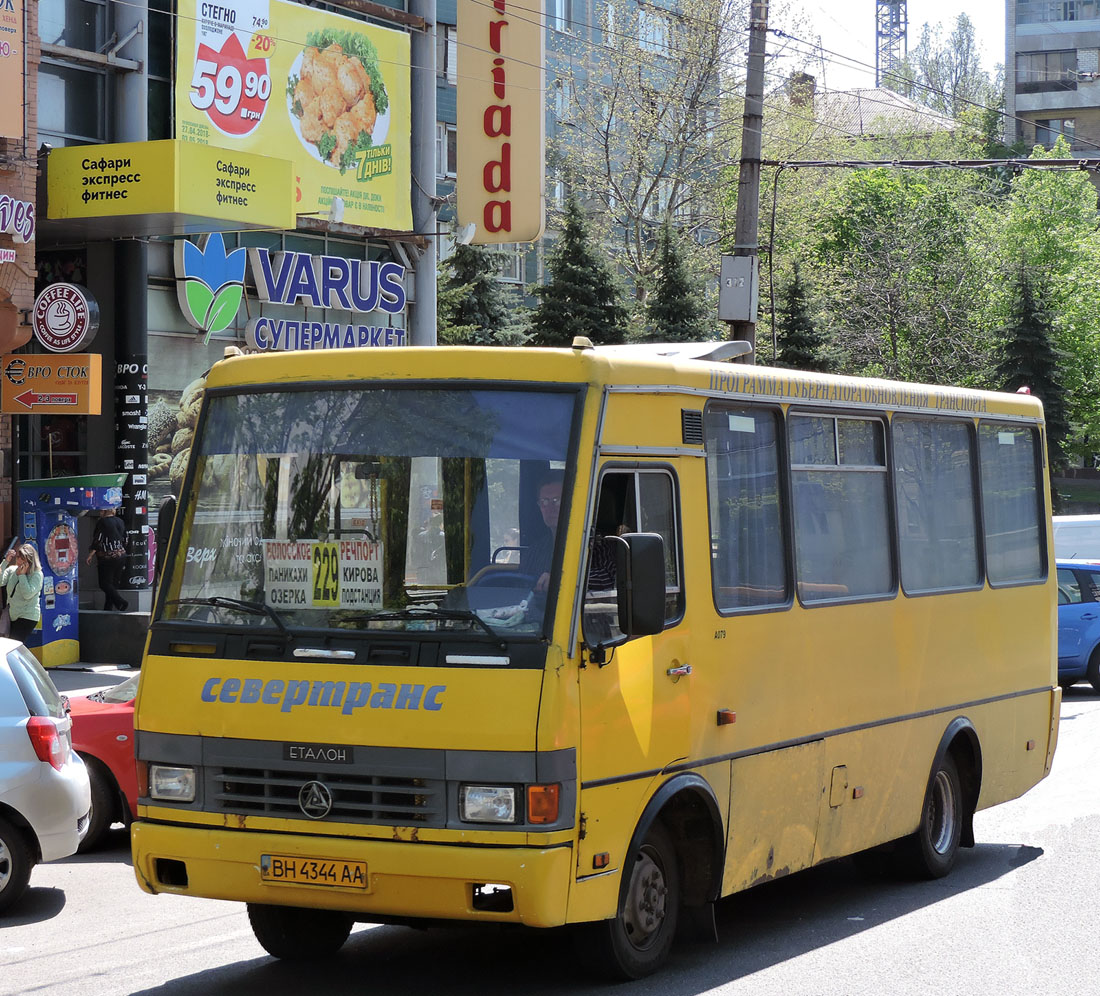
(1015, 917)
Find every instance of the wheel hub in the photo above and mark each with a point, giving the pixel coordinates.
(645, 902)
(941, 813)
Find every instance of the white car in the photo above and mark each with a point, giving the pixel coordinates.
(44, 793)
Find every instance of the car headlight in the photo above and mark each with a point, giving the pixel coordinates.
(168, 782)
(487, 803)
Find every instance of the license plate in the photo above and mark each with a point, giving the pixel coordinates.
(313, 871)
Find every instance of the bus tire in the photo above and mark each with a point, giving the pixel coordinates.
(636, 941)
(16, 862)
(1093, 671)
(295, 934)
(931, 851)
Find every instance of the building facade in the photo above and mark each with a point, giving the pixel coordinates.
(209, 187)
(1052, 73)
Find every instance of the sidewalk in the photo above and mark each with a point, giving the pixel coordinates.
(82, 678)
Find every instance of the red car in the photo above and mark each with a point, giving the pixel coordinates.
(103, 735)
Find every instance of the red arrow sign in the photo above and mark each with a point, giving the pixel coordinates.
(29, 399)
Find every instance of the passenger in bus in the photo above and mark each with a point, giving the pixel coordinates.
(538, 558)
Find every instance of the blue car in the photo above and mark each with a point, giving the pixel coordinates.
(1078, 623)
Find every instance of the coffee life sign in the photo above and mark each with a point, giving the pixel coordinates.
(210, 289)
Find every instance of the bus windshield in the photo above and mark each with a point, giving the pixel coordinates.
(381, 508)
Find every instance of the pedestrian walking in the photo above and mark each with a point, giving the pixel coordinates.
(109, 549)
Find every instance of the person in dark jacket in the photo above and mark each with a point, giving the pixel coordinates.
(109, 549)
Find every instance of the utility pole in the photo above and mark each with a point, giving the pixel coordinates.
(746, 236)
(422, 320)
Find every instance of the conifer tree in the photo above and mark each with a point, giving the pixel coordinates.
(1030, 359)
(582, 296)
(675, 308)
(474, 308)
(800, 344)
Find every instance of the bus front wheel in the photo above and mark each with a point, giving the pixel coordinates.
(932, 850)
(295, 934)
(636, 942)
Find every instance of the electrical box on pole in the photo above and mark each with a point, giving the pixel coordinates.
(739, 289)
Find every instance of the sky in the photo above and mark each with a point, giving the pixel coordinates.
(848, 27)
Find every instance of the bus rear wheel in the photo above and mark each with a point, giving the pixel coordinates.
(636, 942)
(933, 849)
(295, 934)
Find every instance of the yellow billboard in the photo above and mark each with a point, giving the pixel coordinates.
(328, 92)
(185, 187)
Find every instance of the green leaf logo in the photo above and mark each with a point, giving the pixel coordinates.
(223, 309)
(199, 299)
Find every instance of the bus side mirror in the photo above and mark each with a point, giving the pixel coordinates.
(640, 573)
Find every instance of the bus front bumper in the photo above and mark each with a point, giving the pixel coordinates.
(402, 880)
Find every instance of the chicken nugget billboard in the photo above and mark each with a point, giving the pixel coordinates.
(328, 92)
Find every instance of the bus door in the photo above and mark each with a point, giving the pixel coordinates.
(635, 705)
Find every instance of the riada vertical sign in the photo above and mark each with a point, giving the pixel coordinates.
(501, 119)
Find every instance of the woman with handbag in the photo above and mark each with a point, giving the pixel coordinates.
(21, 578)
(109, 549)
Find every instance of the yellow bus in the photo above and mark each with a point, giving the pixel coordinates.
(589, 636)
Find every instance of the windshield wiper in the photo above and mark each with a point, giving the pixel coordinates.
(223, 602)
(426, 612)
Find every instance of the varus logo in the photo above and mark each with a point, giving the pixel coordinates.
(209, 283)
(345, 696)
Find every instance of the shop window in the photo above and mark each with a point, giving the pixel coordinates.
(52, 446)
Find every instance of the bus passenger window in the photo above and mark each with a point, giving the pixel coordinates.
(937, 505)
(1012, 502)
(629, 501)
(748, 535)
(840, 504)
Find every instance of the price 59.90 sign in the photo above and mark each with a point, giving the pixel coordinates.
(232, 86)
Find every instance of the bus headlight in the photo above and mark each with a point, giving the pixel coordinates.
(487, 803)
(168, 782)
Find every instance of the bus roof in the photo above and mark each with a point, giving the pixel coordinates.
(689, 366)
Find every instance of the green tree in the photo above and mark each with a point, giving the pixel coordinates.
(474, 309)
(945, 74)
(642, 100)
(800, 344)
(1029, 358)
(1048, 218)
(675, 309)
(895, 261)
(582, 296)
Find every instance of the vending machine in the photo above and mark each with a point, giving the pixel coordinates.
(48, 511)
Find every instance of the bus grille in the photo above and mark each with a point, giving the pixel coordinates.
(356, 797)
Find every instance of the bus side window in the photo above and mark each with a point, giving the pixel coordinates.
(745, 507)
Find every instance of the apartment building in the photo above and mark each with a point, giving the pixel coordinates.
(1052, 73)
